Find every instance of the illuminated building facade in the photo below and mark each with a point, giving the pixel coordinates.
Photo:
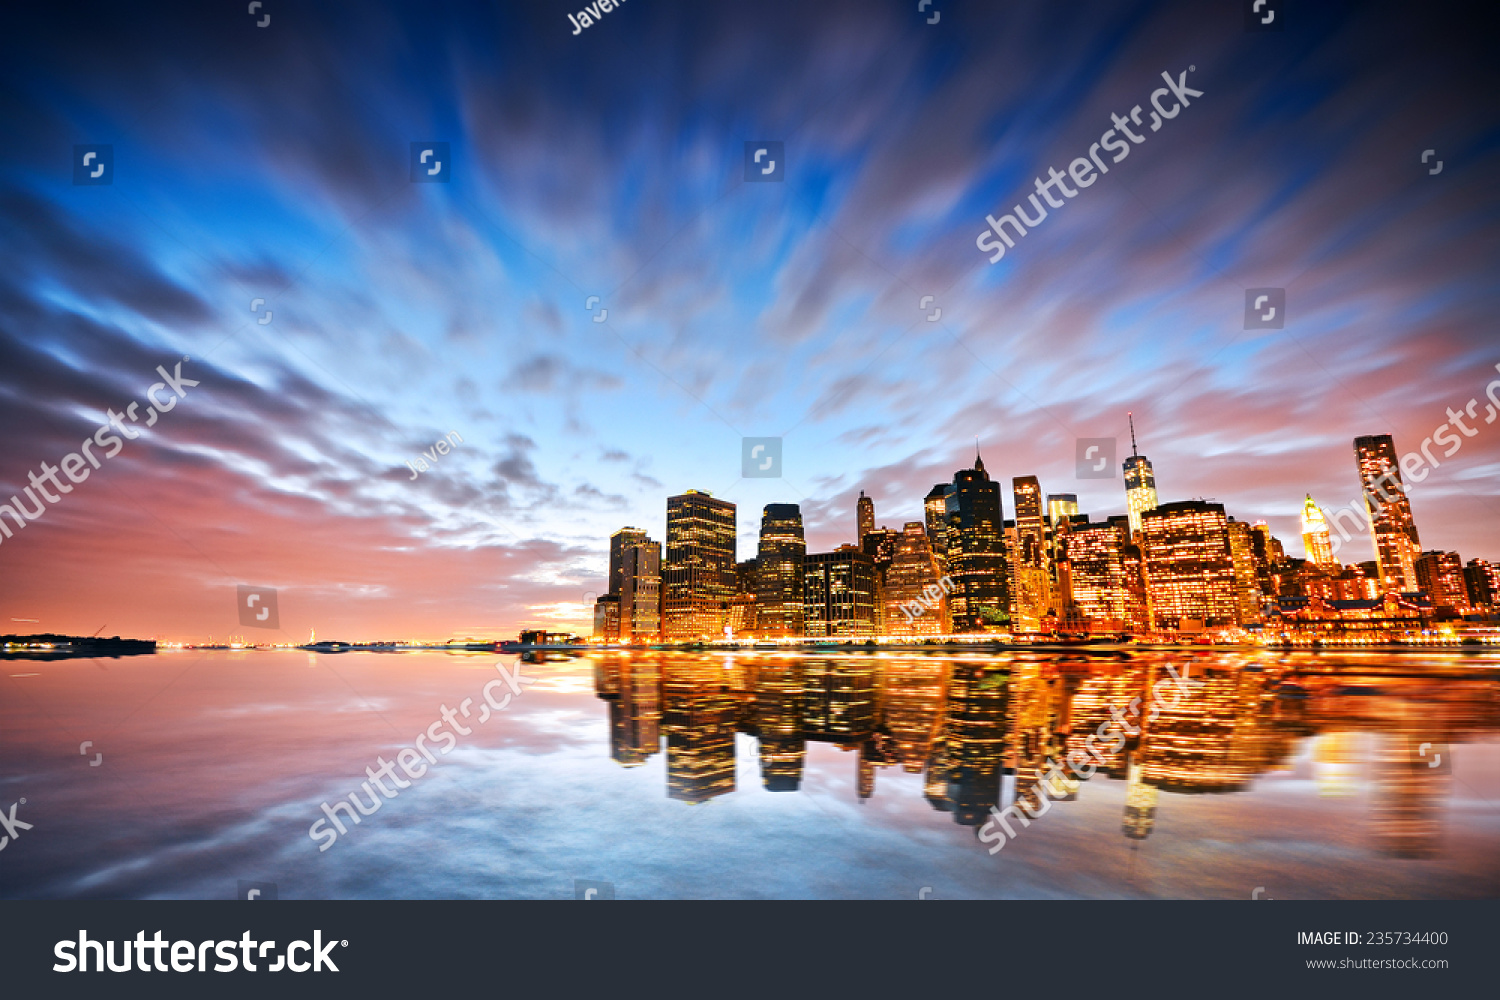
(935, 511)
(1247, 590)
(1392, 529)
(1440, 575)
(1096, 559)
(1029, 557)
(698, 580)
(976, 551)
(912, 571)
(640, 590)
(1061, 506)
(1140, 484)
(618, 543)
(1482, 579)
(1317, 545)
(839, 593)
(1189, 565)
(607, 617)
(779, 598)
(864, 511)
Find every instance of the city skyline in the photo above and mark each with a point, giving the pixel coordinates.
(591, 307)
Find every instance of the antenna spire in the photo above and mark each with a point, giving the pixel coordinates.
(1131, 417)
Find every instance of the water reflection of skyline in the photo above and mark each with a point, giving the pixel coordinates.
(983, 733)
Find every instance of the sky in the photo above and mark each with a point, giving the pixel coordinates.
(275, 164)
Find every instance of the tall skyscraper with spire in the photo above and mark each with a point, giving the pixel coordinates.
(1317, 544)
(1140, 483)
(1392, 529)
(976, 550)
(865, 518)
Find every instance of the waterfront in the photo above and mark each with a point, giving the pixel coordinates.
(756, 774)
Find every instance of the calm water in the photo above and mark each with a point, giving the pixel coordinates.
(713, 775)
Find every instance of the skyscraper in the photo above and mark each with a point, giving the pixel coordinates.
(1189, 565)
(839, 592)
(1096, 560)
(640, 590)
(1140, 483)
(1247, 590)
(914, 569)
(1029, 566)
(1441, 577)
(1392, 529)
(617, 544)
(699, 578)
(865, 518)
(779, 598)
(935, 509)
(607, 617)
(1482, 578)
(976, 551)
(1060, 507)
(1316, 543)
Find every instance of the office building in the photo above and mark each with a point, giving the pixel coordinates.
(1096, 561)
(1317, 545)
(914, 576)
(1060, 507)
(607, 617)
(976, 551)
(640, 590)
(864, 518)
(1029, 564)
(1189, 566)
(618, 543)
(1440, 575)
(698, 579)
(1392, 529)
(779, 602)
(839, 593)
(1140, 484)
(935, 511)
(1482, 579)
(1247, 592)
